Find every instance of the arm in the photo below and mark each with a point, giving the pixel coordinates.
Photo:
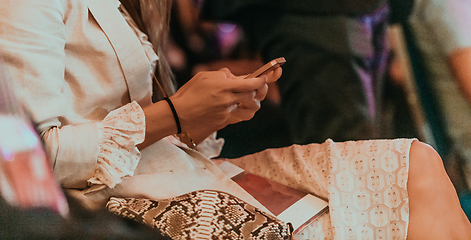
(460, 64)
(205, 104)
(448, 24)
(32, 41)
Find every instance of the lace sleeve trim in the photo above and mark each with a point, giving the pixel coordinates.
(121, 130)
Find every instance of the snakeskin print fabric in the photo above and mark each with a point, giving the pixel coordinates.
(202, 215)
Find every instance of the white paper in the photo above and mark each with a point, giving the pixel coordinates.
(303, 210)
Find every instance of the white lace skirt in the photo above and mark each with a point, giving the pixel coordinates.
(365, 183)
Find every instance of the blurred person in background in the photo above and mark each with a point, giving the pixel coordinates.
(442, 33)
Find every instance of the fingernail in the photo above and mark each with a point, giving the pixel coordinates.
(233, 107)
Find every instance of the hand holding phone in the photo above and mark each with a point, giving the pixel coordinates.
(270, 66)
(273, 64)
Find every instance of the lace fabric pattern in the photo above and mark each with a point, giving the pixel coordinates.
(121, 130)
(365, 183)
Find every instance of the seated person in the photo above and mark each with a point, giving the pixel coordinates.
(441, 30)
(84, 69)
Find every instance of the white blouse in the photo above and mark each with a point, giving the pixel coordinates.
(124, 128)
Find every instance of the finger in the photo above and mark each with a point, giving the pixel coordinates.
(274, 75)
(243, 113)
(261, 92)
(244, 97)
(240, 84)
(253, 105)
(227, 72)
(216, 75)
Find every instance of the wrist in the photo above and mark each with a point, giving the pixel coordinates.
(181, 134)
(159, 123)
(175, 115)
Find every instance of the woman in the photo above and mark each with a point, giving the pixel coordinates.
(84, 69)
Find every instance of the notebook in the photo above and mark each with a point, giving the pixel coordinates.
(286, 203)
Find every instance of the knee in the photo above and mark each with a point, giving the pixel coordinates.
(424, 154)
(425, 164)
(435, 211)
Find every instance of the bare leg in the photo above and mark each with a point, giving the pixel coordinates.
(435, 211)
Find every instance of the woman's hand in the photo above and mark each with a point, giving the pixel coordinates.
(212, 100)
(261, 93)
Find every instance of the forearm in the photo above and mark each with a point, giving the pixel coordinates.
(160, 122)
(73, 152)
(97, 152)
(460, 62)
(207, 103)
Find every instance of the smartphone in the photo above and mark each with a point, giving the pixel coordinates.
(267, 67)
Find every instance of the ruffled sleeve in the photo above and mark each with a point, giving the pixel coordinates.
(121, 130)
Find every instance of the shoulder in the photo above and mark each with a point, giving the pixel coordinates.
(34, 11)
